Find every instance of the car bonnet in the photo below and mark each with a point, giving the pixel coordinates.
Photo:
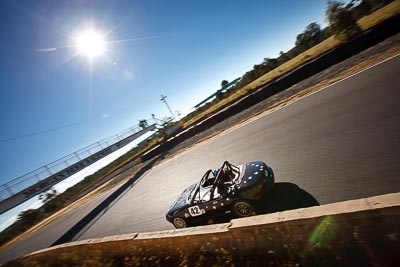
(182, 200)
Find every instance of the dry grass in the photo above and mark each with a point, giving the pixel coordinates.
(365, 23)
(312, 53)
(359, 67)
(380, 15)
(393, 51)
(297, 61)
(333, 240)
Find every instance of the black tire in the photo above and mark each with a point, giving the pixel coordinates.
(179, 223)
(243, 208)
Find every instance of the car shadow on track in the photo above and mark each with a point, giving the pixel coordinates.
(283, 196)
(88, 220)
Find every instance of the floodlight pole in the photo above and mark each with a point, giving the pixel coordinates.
(163, 98)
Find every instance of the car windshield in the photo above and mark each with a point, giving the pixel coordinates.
(208, 179)
(185, 197)
(191, 191)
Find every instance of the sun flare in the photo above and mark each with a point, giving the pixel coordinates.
(90, 43)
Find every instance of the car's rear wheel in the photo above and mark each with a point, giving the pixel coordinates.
(243, 208)
(179, 223)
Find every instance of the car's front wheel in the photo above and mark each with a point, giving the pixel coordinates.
(179, 223)
(243, 208)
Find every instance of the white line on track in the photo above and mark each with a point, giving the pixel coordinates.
(269, 112)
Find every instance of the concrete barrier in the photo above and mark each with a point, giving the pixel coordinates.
(363, 232)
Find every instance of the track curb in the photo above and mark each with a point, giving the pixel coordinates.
(383, 205)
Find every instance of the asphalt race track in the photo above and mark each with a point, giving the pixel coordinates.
(338, 144)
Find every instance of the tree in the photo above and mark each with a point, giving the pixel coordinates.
(259, 70)
(224, 83)
(47, 196)
(311, 36)
(31, 215)
(271, 63)
(143, 124)
(219, 96)
(283, 57)
(51, 200)
(342, 24)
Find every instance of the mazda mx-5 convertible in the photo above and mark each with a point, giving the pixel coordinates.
(229, 189)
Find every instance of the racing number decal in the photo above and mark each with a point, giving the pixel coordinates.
(195, 211)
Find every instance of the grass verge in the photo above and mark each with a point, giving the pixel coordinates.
(362, 65)
(312, 53)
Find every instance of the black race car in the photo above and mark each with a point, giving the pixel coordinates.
(228, 189)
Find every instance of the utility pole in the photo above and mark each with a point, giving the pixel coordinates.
(165, 101)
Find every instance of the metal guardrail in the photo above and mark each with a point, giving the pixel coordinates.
(17, 185)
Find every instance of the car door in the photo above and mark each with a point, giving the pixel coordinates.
(204, 211)
(215, 206)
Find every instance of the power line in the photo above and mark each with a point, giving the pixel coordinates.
(105, 115)
(9, 139)
(45, 131)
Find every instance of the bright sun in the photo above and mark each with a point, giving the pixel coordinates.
(90, 43)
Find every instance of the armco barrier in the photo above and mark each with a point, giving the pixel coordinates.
(332, 57)
(364, 232)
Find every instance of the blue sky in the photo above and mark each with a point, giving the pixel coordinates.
(182, 49)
